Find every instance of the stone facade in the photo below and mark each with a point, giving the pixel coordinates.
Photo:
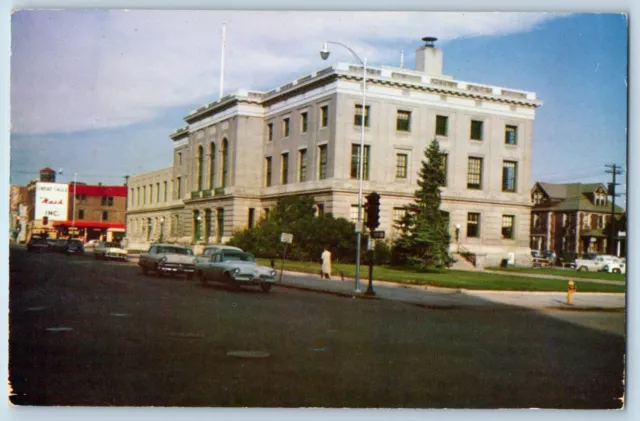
(237, 156)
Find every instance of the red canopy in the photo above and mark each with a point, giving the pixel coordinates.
(88, 224)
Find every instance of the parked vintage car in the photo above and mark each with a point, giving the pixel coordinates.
(211, 250)
(235, 267)
(168, 259)
(73, 246)
(38, 244)
(109, 250)
(606, 263)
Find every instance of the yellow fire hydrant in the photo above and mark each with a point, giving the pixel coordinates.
(570, 291)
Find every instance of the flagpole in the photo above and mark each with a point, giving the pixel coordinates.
(224, 27)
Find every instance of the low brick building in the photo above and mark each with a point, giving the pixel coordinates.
(99, 212)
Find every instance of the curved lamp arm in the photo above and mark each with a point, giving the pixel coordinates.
(341, 44)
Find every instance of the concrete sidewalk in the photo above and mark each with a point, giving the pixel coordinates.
(434, 297)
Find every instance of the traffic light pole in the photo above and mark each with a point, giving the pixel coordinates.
(373, 222)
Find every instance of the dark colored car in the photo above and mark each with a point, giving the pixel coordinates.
(74, 246)
(59, 245)
(38, 244)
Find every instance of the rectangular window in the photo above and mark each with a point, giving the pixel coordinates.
(164, 185)
(304, 122)
(144, 195)
(179, 187)
(252, 217)
(445, 168)
(474, 173)
(302, 164)
(476, 130)
(401, 165)
(131, 197)
(80, 213)
(353, 215)
(138, 196)
(511, 135)
(322, 162)
(266, 213)
(509, 176)
(473, 224)
(355, 162)
(324, 116)
(403, 121)
(268, 171)
(398, 214)
(320, 207)
(285, 168)
(357, 117)
(507, 226)
(179, 158)
(105, 215)
(285, 127)
(157, 192)
(442, 125)
(270, 132)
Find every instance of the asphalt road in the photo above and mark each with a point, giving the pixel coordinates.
(85, 332)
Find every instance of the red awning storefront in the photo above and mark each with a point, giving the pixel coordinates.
(88, 224)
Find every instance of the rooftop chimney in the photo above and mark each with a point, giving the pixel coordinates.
(429, 58)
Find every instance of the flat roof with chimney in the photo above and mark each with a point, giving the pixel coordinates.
(427, 75)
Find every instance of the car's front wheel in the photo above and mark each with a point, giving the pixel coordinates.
(266, 287)
(158, 271)
(583, 269)
(616, 270)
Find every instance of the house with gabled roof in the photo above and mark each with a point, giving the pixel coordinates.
(571, 218)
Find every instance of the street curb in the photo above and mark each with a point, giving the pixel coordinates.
(329, 292)
(484, 307)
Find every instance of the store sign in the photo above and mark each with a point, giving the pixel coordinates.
(52, 201)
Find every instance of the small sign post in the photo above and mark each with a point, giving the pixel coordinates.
(285, 238)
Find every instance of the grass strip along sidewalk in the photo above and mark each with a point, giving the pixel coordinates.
(447, 278)
(571, 273)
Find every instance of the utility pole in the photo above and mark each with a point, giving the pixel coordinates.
(613, 170)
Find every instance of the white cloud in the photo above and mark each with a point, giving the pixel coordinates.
(74, 71)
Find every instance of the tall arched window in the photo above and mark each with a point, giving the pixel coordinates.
(225, 162)
(200, 167)
(212, 165)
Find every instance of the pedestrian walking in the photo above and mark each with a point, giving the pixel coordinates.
(326, 263)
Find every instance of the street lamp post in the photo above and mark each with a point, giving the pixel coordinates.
(324, 54)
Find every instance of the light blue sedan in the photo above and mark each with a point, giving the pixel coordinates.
(235, 267)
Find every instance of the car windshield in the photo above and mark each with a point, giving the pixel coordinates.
(175, 250)
(238, 256)
(110, 245)
(39, 241)
(75, 242)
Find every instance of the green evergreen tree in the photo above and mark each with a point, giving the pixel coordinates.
(429, 234)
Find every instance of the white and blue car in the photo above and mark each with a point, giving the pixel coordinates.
(236, 268)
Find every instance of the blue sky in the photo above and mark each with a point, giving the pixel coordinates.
(98, 92)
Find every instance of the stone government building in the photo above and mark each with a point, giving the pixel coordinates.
(237, 156)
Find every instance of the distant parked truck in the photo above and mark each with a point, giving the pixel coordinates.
(605, 263)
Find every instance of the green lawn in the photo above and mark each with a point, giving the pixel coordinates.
(449, 278)
(566, 272)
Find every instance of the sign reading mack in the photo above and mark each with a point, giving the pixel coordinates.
(52, 201)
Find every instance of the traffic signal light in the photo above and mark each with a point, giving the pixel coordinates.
(45, 220)
(372, 207)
